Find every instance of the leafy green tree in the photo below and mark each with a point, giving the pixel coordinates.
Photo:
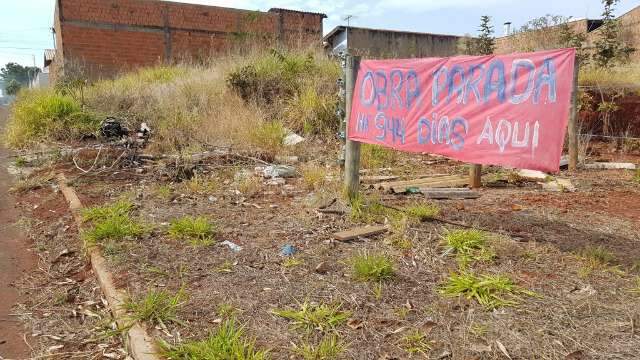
(13, 87)
(485, 44)
(609, 48)
(17, 72)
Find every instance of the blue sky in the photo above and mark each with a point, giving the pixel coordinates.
(25, 24)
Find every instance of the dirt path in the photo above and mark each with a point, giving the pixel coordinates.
(15, 259)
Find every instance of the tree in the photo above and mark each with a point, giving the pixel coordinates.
(17, 72)
(13, 87)
(485, 43)
(609, 49)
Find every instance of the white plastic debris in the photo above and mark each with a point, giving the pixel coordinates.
(279, 171)
(232, 246)
(292, 139)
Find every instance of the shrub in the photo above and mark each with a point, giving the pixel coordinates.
(41, 115)
(297, 88)
(372, 267)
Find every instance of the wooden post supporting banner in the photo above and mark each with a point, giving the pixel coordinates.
(573, 127)
(475, 176)
(352, 148)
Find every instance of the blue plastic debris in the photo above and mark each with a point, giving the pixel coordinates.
(288, 250)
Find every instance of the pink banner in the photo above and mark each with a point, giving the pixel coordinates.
(507, 110)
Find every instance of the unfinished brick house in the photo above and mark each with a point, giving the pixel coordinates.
(106, 37)
(629, 33)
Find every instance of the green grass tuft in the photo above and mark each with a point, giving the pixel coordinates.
(376, 156)
(422, 211)
(111, 222)
(416, 342)
(490, 291)
(330, 347)
(321, 317)
(468, 245)
(228, 342)
(598, 256)
(156, 306)
(104, 212)
(198, 231)
(372, 267)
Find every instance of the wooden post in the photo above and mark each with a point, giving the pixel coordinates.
(475, 176)
(573, 127)
(352, 148)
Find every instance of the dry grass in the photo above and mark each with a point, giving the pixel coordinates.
(618, 76)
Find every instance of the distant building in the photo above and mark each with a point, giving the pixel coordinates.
(590, 28)
(377, 43)
(42, 78)
(106, 37)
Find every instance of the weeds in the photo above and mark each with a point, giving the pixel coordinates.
(268, 136)
(156, 307)
(200, 185)
(250, 186)
(636, 177)
(636, 289)
(321, 317)
(422, 211)
(416, 343)
(100, 213)
(314, 177)
(468, 245)
(164, 192)
(31, 183)
(490, 291)
(367, 210)
(225, 267)
(226, 310)
(330, 347)
(375, 156)
(198, 231)
(111, 222)
(227, 342)
(42, 114)
(290, 262)
(372, 267)
(597, 256)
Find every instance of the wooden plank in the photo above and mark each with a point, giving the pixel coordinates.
(377, 178)
(431, 194)
(359, 232)
(610, 166)
(409, 183)
(458, 181)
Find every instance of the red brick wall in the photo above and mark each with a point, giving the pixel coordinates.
(110, 36)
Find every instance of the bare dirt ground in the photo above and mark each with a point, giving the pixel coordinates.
(50, 304)
(579, 310)
(15, 260)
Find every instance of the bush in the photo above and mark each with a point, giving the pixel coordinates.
(42, 114)
(295, 87)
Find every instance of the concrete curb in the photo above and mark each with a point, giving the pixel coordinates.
(139, 344)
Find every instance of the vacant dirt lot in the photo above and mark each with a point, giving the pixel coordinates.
(577, 253)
